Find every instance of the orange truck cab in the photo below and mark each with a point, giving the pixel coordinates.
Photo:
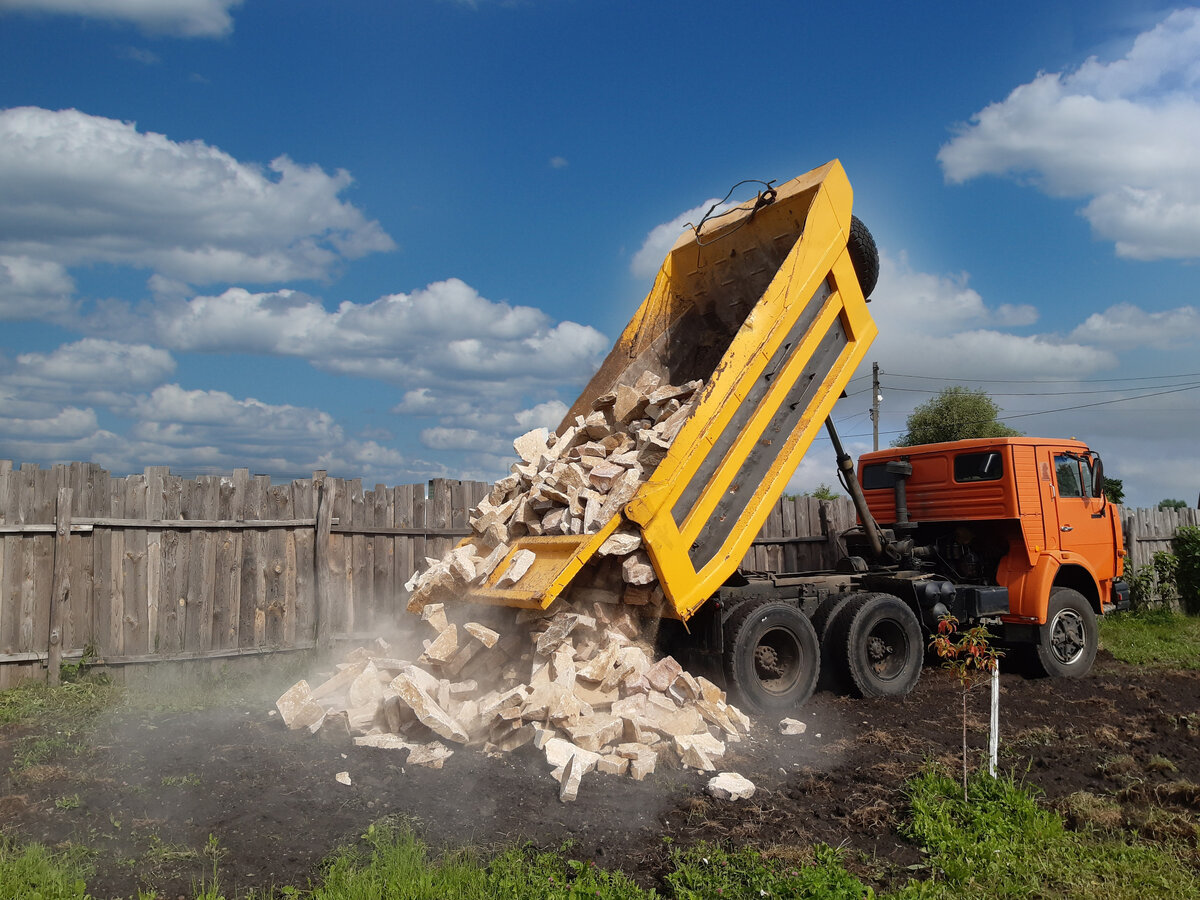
(1023, 521)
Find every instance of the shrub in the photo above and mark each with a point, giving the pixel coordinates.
(1187, 575)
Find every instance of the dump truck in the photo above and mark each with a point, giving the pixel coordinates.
(766, 306)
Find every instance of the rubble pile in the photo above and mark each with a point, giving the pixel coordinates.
(573, 483)
(581, 688)
(578, 681)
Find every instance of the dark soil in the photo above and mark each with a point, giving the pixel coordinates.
(152, 787)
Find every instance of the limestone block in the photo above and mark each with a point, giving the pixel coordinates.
(693, 754)
(518, 565)
(431, 755)
(637, 569)
(628, 404)
(710, 691)
(792, 726)
(532, 445)
(485, 566)
(560, 627)
(670, 724)
(444, 646)
(297, 708)
(611, 764)
(596, 731)
(739, 718)
(596, 425)
(339, 683)
(599, 666)
(622, 542)
(642, 766)
(562, 666)
(407, 687)
(603, 476)
(515, 738)
(730, 786)
(663, 672)
(571, 778)
(482, 633)
(342, 778)
(383, 742)
(638, 595)
(559, 752)
(365, 689)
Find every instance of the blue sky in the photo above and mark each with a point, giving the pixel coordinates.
(384, 238)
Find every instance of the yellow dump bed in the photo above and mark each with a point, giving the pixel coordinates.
(764, 306)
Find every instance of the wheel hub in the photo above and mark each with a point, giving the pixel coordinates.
(1066, 636)
(766, 660)
(878, 650)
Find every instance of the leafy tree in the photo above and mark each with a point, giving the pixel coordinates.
(823, 492)
(953, 415)
(1114, 490)
(1172, 504)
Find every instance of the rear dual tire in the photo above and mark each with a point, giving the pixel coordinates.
(772, 657)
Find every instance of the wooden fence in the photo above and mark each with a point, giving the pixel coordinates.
(154, 566)
(1147, 531)
(157, 567)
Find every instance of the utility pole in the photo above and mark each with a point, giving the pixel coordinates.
(876, 396)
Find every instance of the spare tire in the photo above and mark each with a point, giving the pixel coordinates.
(864, 255)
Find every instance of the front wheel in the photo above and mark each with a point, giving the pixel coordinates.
(1067, 643)
(771, 658)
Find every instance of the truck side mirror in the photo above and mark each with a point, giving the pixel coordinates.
(1098, 481)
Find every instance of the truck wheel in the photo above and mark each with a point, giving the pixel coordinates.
(883, 645)
(864, 255)
(771, 656)
(1067, 643)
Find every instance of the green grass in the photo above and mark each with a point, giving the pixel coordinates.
(31, 871)
(1004, 844)
(1157, 637)
(78, 702)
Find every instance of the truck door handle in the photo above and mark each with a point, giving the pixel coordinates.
(1067, 528)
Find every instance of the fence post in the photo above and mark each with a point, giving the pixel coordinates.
(325, 497)
(60, 594)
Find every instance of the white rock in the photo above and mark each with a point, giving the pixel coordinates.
(730, 786)
(792, 726)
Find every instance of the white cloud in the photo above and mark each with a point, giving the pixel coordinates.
(440, 438)
(662, 238)
(34, 289)
(1122, 133)
(543, 415)
(93, 361)
(77, 189)
(1127, 325)
(186, 18)
(445, 332)
(558, 162)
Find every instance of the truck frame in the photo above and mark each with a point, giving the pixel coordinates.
(766, 303)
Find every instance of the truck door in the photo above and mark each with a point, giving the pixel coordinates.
(1084, 516)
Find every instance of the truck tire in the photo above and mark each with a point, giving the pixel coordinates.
(772, 657)
(1067, 643)
(864, 255)
(880, 643)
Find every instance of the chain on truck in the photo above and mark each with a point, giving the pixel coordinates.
(767, 305)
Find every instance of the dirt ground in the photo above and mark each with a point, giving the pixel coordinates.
(154, 786)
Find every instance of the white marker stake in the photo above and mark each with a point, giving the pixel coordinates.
(994, 726)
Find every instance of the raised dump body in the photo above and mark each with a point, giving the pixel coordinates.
(764, 306)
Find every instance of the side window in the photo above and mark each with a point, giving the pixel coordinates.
(1089, 481)
(1069, 484)
(987, 466)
